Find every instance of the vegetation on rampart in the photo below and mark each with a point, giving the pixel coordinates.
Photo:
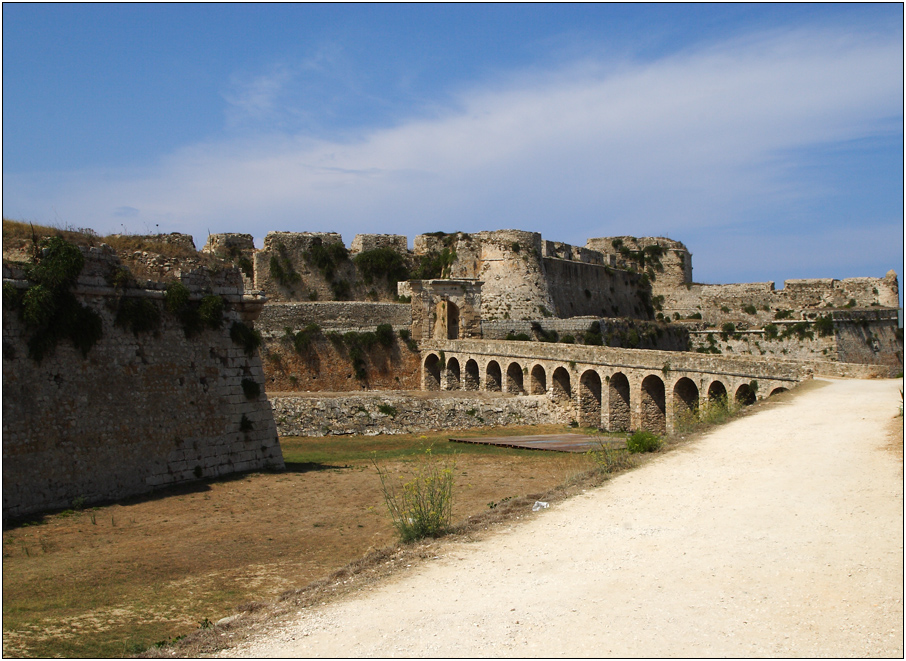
(47, 306)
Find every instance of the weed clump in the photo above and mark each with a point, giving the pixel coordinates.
(422, 505)
(48, 307)
(251, 389)
(643, 441)
(380, 263)
(609, 459)
(248, 338)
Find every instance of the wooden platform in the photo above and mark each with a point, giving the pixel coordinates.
(553, 442)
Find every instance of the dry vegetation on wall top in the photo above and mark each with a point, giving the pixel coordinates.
(154, 257)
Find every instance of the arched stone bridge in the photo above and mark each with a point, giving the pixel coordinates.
(610, 388)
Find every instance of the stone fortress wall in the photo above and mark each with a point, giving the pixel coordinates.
(526, 279)
(142, 409)
(153, 407)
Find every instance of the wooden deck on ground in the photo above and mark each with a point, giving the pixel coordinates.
(553, 442)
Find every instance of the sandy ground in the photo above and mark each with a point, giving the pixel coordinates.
(777, 535)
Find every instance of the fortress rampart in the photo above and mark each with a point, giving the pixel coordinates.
(143, 409)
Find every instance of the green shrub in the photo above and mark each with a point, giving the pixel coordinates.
(643, 441)
(251, 389)
(341, 290)
(783, 314)
(281, 268)
(695, 315)
(176, 296)
(381, 263)
(750, 309)
(593, 335)
(58, 265)
(385, 335)
(140, 315)
(433, 265)
(245, 265)
(770, 332)
(387, 409)
(801, 329)
(326, 257)
(48, 307)
(422, 505)
(567, 339)
(248, 338)
(210, 311)
(824, 326)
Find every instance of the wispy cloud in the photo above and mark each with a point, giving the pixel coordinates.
(706, 138)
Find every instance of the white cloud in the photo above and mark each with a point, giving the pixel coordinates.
(689, 141)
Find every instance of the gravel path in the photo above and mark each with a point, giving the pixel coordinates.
(780, 534)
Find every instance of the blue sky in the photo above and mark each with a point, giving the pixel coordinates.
(767, 137)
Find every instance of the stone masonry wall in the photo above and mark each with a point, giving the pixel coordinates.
(340, 316)
(365, 242)
(406, 414)
(869, 337)
(140, 411)
(579, 288)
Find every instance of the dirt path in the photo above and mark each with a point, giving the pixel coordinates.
(779, 534)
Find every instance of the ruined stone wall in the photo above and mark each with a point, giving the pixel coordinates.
(229, 244)
(528, 278)
(720, 303)
(284, 253)
(340, 316)
(288, 269)
(142, 410)
(364, 242)
(675, 263)
(756, 343)
(404, 413)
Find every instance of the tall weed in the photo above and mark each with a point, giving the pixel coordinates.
(422, 505)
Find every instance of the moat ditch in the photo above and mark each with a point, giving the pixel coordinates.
(114, 580)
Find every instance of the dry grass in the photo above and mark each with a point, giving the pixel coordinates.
(19, 239)
(114, 580)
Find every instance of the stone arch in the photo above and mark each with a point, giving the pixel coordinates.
(685, 397)
(745, 395)
(561, 390)
(514, 379)
(471, 379)
(492, 377)
(620, 412)
(778, 390)
(432, 372)
(537, 381)
(654, 405)
(452, 374)
(590, 399)
(717, 391)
